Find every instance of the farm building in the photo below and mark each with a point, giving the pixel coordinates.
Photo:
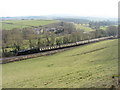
(38, 30)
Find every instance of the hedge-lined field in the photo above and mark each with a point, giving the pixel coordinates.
(92, 65)
(10, 24)
(84, 27)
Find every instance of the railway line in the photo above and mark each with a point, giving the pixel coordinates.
(32, 53)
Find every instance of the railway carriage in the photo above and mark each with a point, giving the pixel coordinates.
(50, 48)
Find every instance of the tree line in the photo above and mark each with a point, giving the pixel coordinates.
(20, 39)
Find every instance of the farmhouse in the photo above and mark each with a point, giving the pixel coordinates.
(52, 29)
(38, 30)
(55, 30)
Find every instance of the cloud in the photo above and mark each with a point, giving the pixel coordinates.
(46, 7)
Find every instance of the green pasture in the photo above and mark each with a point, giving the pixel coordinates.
(87, 66)
(10, 24)
(103, 27)
(84, 27)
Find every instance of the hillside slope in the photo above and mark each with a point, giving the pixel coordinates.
(10, 24)
(91, 65)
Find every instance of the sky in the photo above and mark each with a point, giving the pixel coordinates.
(100, 8)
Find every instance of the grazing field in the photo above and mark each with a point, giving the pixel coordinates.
(92, 65)
(10, 24)
(103, 27)
(84, 27)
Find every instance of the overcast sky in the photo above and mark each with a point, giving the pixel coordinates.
(101, 8)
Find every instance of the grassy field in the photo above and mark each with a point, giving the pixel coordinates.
(91, 65)
(87, 28)
(83, 27)
(10, 24)
(103, 27)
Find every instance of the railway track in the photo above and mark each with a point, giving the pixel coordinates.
(52, 50)
(24, 57)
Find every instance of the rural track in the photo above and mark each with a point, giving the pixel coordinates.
(23, 57)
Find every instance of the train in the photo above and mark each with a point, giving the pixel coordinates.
(62, 46)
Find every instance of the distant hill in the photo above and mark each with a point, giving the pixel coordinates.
(83, 18)
(80, 21)
(24, 17)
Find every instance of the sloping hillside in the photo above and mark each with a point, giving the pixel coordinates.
(92, 65)
(10, 24)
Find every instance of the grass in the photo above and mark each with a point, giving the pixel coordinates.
(103, 27)
(10, 24)
(91, 65)
(84, 27)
